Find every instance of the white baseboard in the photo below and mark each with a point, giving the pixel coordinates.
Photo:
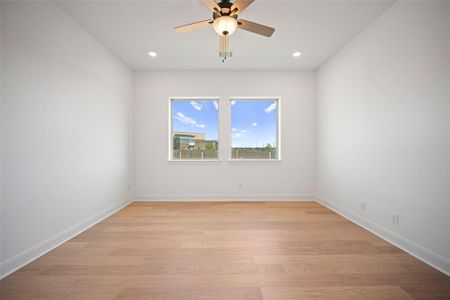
(18, 261)
(434, 260)
(226, 197)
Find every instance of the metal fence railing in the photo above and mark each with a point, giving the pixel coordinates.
(236, 153)
(194, 154)
(253, 153)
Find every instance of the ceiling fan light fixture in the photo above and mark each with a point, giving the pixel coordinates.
(225, 25)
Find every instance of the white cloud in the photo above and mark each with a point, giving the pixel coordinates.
(233, 102)
(237, 133)
(196, 105)
(216, 105)
(254, 124)
(188, 121)
(271, 107)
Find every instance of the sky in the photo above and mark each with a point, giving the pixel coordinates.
(253, 122)
(199, 116)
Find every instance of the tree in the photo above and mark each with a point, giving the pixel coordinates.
(268, 147)
(210, 146)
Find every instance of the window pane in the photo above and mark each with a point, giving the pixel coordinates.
(254, 129)
(194, 129)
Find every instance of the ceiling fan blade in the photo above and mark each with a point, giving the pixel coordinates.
(240, 5)
(255, 27)
(193, 26)
(212, 5)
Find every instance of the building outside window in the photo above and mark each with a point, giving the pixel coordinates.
(194, 129)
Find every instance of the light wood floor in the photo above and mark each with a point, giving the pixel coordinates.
(226, 250)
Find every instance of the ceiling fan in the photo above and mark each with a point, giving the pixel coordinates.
(225, 22)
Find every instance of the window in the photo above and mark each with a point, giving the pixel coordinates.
(194, 129)
(254, 128)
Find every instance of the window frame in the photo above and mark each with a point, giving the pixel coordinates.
(278, 123)
(170, 127)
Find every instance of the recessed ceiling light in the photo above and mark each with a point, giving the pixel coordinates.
(296, 54)
(152, 54)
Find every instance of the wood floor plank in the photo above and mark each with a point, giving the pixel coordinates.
(378, 263)
(337, 293)
(424, 292)
(226, 250)
(162, 268)
(201, 294)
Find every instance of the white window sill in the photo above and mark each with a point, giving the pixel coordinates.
(233, 160)
(194, 161)
(219, 161)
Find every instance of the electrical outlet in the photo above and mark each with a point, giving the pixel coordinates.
(363, 205)
(395, 219)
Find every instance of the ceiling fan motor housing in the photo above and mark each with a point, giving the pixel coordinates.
(225, 9)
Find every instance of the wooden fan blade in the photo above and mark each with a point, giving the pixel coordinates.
(212, 5)
(255, 27)
(193, 26)
(240, 5)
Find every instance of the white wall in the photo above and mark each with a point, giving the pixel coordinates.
(65, 130)
(383, 128)
(1, 167)
(156, 178)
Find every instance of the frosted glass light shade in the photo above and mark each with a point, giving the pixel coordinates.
(225, 25)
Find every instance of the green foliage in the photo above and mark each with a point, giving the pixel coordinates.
(268, 147)
(210, 146)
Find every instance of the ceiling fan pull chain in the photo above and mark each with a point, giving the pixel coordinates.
(224, 50)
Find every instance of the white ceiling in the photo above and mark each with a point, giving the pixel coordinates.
(132, 28)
